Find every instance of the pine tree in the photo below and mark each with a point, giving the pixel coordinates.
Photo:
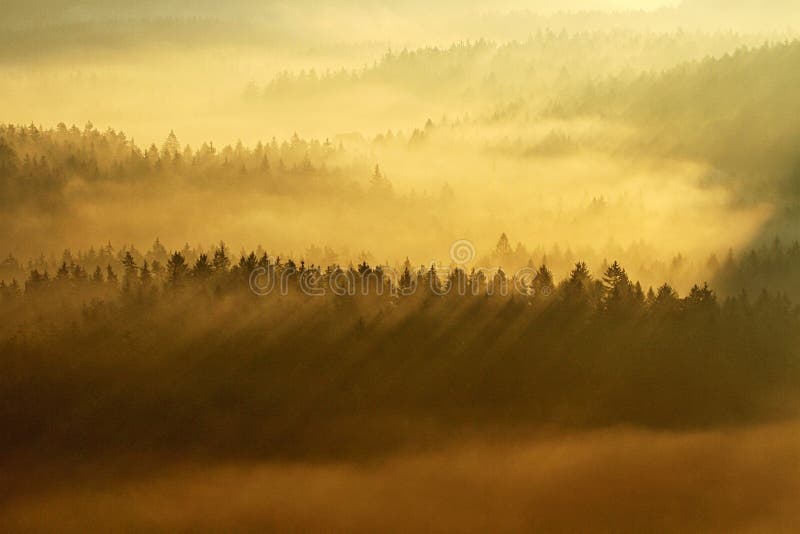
(145, 275)
(78, 273)
(202, 268)
(619, 294)
(503, 250)
(701, 297)
(221, 261)
(63, 272)
(432, 282)
(477, 281)
(176, 269)
(576, 289)
(97, 277)
(129, 270)
(457, 282)
(406, 278)
(379, 183)
(158, 252)
(664, 300)
(111, 276)
(171, 146)
(499, 285)
(543, 282)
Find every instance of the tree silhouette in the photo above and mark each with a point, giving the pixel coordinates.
(619, 294)
(177, 270)
(202, 267)
(111, 276)
(129, 271)
(145, 275)
(221, 261)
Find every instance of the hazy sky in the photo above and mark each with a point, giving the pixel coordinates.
(208, 81)
(36, 11)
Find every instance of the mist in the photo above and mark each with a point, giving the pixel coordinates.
(369, 266)
(613, 481)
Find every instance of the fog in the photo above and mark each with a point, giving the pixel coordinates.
(361, 266)
(745, 480)
(472, 145)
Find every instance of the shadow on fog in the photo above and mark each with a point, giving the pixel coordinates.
(744, 480)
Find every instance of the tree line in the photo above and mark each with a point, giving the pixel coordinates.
(189, 357)
(770, 268)
(37, 164)
(161, 276)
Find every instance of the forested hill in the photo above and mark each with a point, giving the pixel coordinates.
(37, 165)
(741, 111)
(290, 371)
(547, 60)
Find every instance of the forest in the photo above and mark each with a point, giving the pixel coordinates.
(369, 266)
(458, 348)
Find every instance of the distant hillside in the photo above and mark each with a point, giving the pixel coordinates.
(740, 112)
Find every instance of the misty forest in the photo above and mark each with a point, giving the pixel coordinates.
(400, 267)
